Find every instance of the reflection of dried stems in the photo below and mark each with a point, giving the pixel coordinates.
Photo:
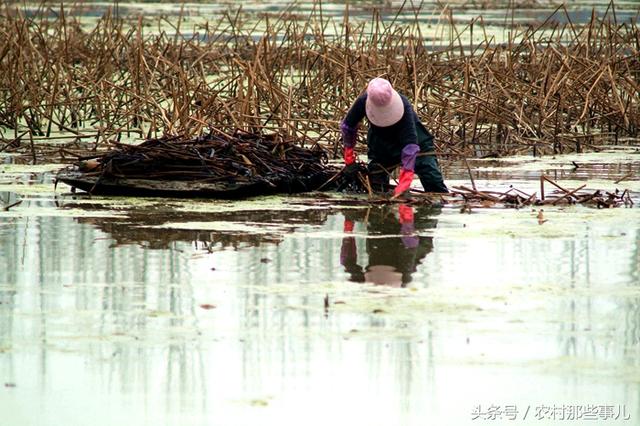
(6, 208)
(551, 88)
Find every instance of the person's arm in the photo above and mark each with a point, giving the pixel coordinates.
(409, 138)
(349, 128)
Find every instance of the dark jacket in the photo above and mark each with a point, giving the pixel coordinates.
(385, 144)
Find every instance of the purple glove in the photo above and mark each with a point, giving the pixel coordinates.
(409, 239)
(349, 135)
(407, 229)
(408, 156)
(348, 251)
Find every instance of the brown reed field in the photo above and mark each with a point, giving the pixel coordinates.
(553, 86)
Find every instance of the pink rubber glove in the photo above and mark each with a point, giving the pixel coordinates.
(404, 182)
(409, 239)
(349, 156)
(406, 214)
(348, 225)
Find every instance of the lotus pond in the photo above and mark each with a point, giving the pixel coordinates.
(308, 310)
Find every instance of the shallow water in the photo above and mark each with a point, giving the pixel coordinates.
(150, 311)
(432, 17)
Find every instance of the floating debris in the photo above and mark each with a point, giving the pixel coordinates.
(213, 165)
(207, 306)
(517, 198)
(466, 198)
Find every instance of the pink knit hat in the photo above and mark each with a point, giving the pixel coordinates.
(384, 106)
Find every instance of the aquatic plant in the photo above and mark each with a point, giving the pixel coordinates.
(553, 86)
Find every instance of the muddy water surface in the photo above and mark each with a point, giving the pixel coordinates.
(304, 310)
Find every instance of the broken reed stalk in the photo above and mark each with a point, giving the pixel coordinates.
(473, 182)
(553, 88)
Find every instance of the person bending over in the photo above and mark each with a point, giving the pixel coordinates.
(395, 137)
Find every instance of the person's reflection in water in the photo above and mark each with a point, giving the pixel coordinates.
(393, 247)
